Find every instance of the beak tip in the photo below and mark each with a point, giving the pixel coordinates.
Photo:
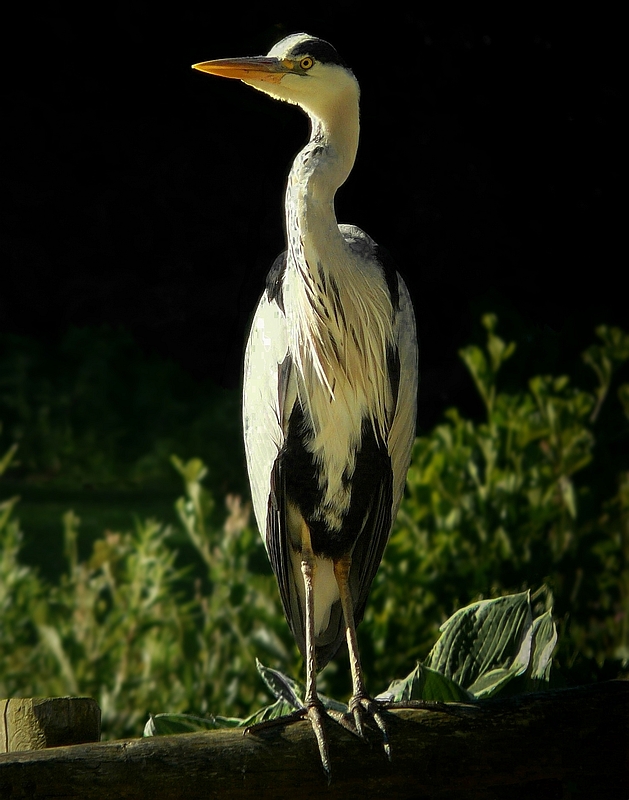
(260, 68)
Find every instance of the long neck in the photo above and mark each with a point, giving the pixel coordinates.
(318, 256)
(319, 169)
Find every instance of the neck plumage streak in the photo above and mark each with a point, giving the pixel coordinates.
(337, 336)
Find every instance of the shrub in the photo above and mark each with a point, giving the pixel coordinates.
(504, 505)
(491, 508)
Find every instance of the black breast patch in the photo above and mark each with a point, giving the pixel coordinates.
(300, 480)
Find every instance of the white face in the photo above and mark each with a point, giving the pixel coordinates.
(300, 69)
(310, 75)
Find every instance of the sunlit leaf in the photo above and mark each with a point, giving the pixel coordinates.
(544, 643)
(424, 683)
(282, 687)
(280, 708)
(168, 724)
(191, 471)
(484, 637)
(291, 692)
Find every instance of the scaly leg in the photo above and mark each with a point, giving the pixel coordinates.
(313, 708)
(360, 702)
(313, 705)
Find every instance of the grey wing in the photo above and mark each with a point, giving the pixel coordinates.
(403, 427)
(406, 356)
(373, 540)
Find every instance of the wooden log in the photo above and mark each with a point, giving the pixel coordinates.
(34, 723)
(570, 743)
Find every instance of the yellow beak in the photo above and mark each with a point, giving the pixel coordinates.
(259, 68)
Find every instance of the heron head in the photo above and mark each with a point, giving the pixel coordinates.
(299, 69)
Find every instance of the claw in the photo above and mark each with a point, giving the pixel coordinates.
(315, 715)
(358, 708)
(355, 706)
(365, 705)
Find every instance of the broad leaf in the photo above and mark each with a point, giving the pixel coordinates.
(280, 708)
(282, 687)
(292, 692)
(485, 644)
(167, 724)
(544, 642)
(424, 683)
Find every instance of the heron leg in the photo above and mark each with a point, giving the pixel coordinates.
(313, 705)
(360, 702)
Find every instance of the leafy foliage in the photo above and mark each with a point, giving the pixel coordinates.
(492, 508)
(483, 651)
(127, 627)
(239, 613)
(495, 507)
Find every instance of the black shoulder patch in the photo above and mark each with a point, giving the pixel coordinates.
(385, 259)
(320, 50)
(274, 280)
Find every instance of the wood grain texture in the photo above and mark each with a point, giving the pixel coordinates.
(570, 743)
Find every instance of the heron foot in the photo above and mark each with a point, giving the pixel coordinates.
(363, 706)
(360, 707)
(315, 713)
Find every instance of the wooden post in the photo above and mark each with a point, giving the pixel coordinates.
(36, 723)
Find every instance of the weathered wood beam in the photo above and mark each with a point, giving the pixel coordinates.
(34, 723)
(569, 743)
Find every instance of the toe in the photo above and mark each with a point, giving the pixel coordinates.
(316, 715)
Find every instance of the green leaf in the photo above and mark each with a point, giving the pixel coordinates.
(605, 358)
(498, 351)
(568, 495)
(291, 692)
(544, 643)
(192, 471)
(280, 708)
(485, 644)
(615, 341)
(489, 322)
(282, 687)
(6, 459)
(168, 724)
(491, 682)
(476, 363)
(424, 683)
(6, 509)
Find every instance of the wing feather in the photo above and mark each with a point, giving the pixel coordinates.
(266, 377)
(403, 427)
(268, 397)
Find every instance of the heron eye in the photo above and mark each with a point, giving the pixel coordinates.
(306, 63)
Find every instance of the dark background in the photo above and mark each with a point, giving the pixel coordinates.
(139, 192)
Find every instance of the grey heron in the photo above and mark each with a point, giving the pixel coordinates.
(330, 380)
